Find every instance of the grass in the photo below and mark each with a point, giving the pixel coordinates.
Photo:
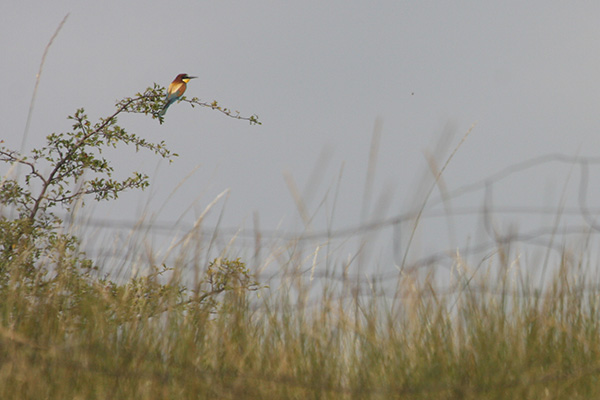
(487, 335)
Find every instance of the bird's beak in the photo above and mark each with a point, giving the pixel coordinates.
(191, 77)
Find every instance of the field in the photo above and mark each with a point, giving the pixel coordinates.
(481, 331)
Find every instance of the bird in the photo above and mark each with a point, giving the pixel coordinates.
(175, 91)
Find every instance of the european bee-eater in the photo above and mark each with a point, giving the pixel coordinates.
(175, 91)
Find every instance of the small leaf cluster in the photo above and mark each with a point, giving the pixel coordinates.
(253, 119)
(224, 276)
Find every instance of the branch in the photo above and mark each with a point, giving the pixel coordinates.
(253, 119)
(156, 96)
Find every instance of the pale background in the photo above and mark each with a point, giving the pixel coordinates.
(320, 74)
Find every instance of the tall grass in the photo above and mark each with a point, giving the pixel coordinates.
(486, 334)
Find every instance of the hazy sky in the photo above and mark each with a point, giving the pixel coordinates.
(320, 74)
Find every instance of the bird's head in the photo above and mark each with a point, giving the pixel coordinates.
(185, 77)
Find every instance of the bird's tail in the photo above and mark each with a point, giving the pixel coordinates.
(168, 102)
(164, 109)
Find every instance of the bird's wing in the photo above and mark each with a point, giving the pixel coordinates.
(176, 90)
